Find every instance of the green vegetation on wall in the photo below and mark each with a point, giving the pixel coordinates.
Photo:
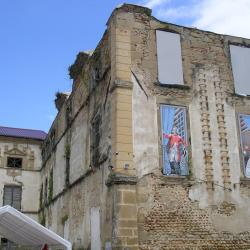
(50, 186)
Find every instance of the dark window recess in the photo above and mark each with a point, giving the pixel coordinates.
(95, 141)
(50, 194)
(67, 171)
(12, 196)
(6, 244)
(13, 162)
(52, 138)
(41, 197)
(69, 113)
(46, 191)
(43, 154)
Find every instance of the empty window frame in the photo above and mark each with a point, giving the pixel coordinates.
(244, 125)
(169, 58)
(240, 58)
(14, 162)
(12, 196)
(174, 140)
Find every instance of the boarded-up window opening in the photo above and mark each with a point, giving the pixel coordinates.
(169, 58)
(95, 228)
(12, 196)
(240, 58)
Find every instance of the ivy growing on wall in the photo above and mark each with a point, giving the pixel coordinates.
(64, 219)
(41, 197)
(42, 218)
(50, 186)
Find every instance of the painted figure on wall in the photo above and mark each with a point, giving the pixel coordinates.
(244, 121)
(175, 149)
(175, 156)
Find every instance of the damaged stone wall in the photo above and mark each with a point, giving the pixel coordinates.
(105, 145)
(209, 208)
(78, 181)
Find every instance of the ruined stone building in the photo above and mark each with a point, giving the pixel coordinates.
(151, 148)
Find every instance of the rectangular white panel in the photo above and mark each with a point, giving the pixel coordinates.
(240, 58)
(95, 228)
(169, 58)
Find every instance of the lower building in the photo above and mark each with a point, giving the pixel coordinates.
(20, 164)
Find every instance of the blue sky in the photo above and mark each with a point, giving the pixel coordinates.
(40, 39)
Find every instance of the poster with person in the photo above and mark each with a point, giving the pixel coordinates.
(244, 123)
(174, 140)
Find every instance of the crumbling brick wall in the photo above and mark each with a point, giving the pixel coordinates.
(169, 219)
(209, 208)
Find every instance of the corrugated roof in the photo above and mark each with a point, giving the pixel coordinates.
(22, 133)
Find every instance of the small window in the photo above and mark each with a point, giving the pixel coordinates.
(169, 58)
(13, 162)
(240, 58)
(6, 244)
(68, 113)
(12, 196)
(244, 124)
(174, 140)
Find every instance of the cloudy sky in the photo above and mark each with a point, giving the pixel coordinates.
(221, 16)
(40, 39)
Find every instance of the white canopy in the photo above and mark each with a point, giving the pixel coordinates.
(24, 231)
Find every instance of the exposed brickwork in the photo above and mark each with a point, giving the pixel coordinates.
(175, 222)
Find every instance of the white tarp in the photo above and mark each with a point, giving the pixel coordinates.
(24, 231)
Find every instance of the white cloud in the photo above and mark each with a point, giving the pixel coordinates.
(173, 14)
(225, 16)
(221, 16)
(154, 3)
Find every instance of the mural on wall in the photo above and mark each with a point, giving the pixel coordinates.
(244, 121)
(174, 140)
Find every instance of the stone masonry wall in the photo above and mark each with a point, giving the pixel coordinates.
(209, 208)
(78, 183)
(140, 208)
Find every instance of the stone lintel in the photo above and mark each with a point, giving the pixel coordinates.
(121, 84)
(175, 86)
(119, 179)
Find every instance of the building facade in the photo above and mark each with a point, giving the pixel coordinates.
(151, 148)
(20, 164)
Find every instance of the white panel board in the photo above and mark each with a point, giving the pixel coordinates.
(95, 229)
(169, 58)
(66, 230)
(240, 58)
